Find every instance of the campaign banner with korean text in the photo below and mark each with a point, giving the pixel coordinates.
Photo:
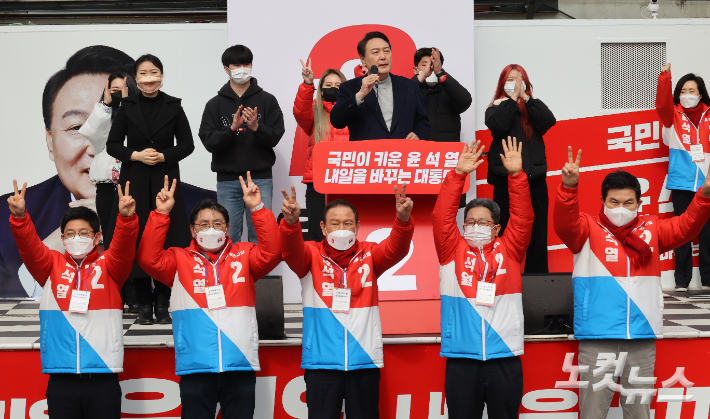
(626, 141)
(372, 167)
(411, 387)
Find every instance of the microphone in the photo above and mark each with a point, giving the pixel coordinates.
(373, 70)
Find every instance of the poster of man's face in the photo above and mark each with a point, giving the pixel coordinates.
(70, 151)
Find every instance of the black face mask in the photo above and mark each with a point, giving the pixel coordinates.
(330, 94)
(116, 99)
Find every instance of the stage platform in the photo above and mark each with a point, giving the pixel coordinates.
(685, 315)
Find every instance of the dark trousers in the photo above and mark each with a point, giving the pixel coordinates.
(85, 396)
(684, 254)
(315, 204)
(326, 389)
(145, 294)
(234, 390)
(536, 256)
(470, 383)
(105, 194)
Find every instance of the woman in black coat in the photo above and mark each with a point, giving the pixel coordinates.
(515, 113)
(159, 136)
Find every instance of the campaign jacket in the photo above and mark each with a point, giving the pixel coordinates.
(77, 343)
(342, 341)
(476, 331)
(679, 133)
(303, 112)
(219, 340)
(612, 298)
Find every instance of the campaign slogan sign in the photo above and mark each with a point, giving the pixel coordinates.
(373, 167)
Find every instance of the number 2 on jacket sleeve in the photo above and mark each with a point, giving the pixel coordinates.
(365, 271)
(237, 266)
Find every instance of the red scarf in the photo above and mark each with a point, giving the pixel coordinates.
(341, 257)
(636, 249)
(694, 114)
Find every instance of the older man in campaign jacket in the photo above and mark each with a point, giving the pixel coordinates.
(481, 290)
(342, 334)
(394, 110)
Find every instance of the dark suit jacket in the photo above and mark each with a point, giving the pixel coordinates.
(170, 135)
(366, 122)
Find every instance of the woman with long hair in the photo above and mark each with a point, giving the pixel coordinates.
(686, 131)
(515, 113)
(150, 136)
(313, 116)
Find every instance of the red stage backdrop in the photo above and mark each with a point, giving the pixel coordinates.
(412, 385)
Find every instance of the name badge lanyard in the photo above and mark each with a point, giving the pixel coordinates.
(341, 274)
(78, 277)
(216, 271)
(216, 299)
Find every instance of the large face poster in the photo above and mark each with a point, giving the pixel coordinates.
(50, 95)
(53, 93)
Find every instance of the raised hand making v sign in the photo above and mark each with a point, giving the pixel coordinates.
(307, 72)
(290, 208)
(570, 171)
(126, 203)
(17, 201)
(252, 195)
(165, 200)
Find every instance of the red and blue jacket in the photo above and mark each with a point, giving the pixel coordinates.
(612, 298)
(469, 330)
(342, 341)
(76, 343)
(218, 340)
(679, 133)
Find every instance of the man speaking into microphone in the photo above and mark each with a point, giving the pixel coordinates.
(380, 105)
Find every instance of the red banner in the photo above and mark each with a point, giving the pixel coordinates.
(412, 384)
(373, 167)
(628, 141)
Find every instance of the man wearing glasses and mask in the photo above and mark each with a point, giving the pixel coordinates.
(213, 295)
(480, 285)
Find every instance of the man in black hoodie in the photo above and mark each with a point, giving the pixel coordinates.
(240, 127)
(444, 97)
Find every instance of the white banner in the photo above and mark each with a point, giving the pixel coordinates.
(191, 55)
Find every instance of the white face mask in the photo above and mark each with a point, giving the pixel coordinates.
(509, 87)
(432, 79)
(78, 247)
(620, 216)
(477, 235)
(211, 239)
(341, 239)
(689, 101)
(241, 75)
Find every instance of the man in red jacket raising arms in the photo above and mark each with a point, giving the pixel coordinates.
(81, 324)
(618, 301)
(212, 302)
(342, 336)
(481, 299)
